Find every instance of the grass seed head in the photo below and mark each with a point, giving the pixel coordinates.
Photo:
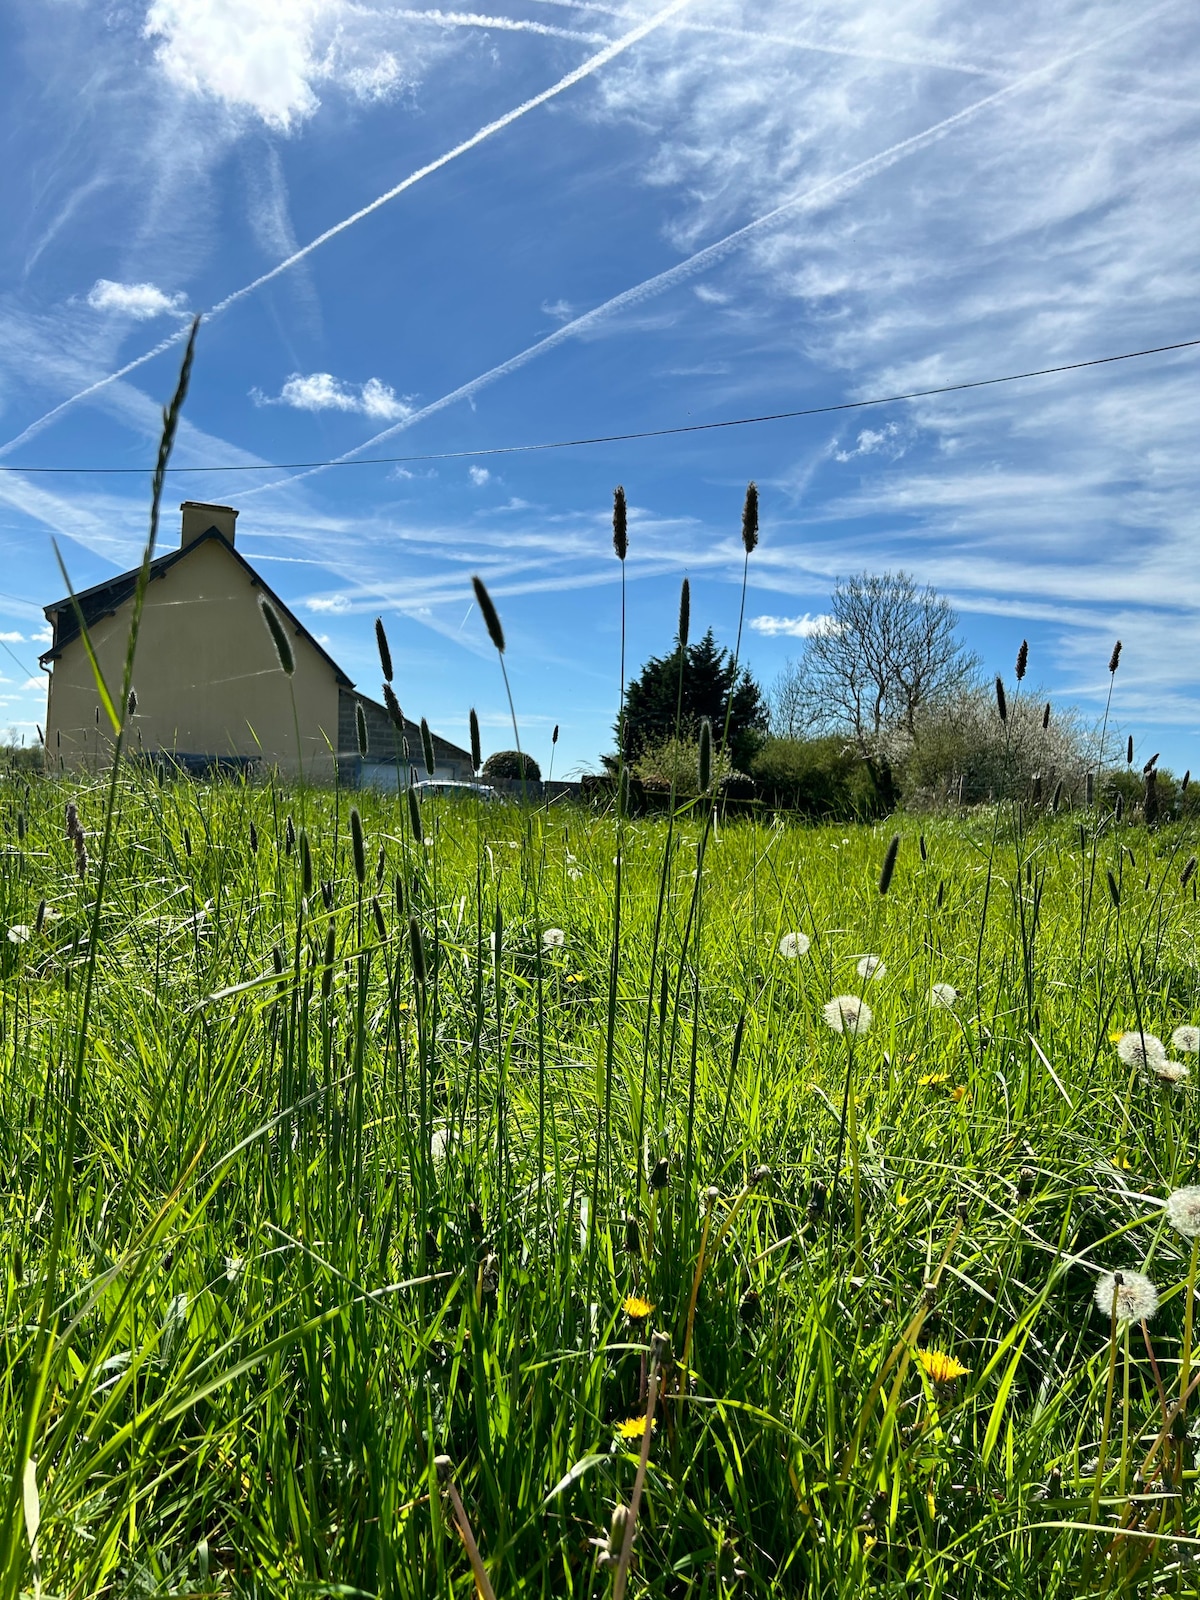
(357, 847)
(1001, 701)
(360, 729)
(750, 518)
(1115, 658)
(889, 865)
(1046, 716)
(491, 617)
(620, 524)
(416, 946)
(476, 745)
(279, 638)
(705, 758)
(385, 655)
(306, 866)
(1022, 659)
(393, 708)
(685, 612)
(1136, 1296)
(414, 815)
(427, 747)
(1129, 751)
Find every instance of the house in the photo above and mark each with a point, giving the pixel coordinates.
(210, 692)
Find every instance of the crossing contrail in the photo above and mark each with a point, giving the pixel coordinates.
(821, 193)
(584, 70)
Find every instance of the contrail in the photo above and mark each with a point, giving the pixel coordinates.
(823, 192)
(475, 19)
(585, 70)
(849, 52)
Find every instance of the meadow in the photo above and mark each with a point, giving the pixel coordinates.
(414, 1202)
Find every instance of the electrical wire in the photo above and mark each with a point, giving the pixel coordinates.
(644, 433)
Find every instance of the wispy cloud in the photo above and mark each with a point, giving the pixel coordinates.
(805, 627)
(585, 70)
(873, 440)
(321, 391)
(818, 195)
(141, 301)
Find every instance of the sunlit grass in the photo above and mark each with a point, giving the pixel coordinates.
(326, 1223)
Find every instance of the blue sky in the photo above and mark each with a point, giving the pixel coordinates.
(710, 209)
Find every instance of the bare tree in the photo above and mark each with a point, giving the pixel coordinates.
(888, 650)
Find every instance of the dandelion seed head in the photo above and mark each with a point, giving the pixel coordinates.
(1173, 1072)
(1140, 1050)
(553, 939)
(1137, 1298)
(943, 996)
(846, 1013)
(871, 966)
(794, 945)
(1186, 1038)
(1183, 1211)
(19, 933)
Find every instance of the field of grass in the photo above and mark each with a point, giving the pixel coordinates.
(364, 1186)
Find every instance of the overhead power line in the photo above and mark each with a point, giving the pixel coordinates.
(643, 433)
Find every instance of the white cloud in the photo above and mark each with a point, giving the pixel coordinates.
(138, 300)
(805, 627)
(334, 604)
(479, 476)
(34, 683)
(560, 310)
(256, 54)
(873, 440)
(709, 296)
(12, 638)
(271, 57)
(42, 635)
(321, 391)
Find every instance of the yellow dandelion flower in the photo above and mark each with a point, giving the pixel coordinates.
(939, 1367)
(636, 1308)
(957, 1094)
(1116, 1037)
(901, 1199)
(632, 1428)
(932, 1078)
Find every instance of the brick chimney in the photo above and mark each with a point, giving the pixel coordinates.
(198, 518)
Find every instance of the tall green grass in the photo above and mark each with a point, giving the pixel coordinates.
(412, 1198)
(325, 1222)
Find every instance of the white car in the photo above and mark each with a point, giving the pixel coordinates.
(453, 789)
